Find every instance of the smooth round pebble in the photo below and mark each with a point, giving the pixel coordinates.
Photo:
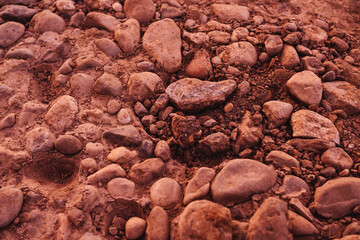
(165, 193)
(135, 227)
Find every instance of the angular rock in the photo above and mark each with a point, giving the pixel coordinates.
(295, 187)
(309, 124)
(311, 145)
(81, 85)
(127, 35)
(240, 179)
(10, 32)
(186, 130)
(299, 226)
(68, 144)
(214, 143)
(126, 135)
(273, 45)
(157, 225)
(243, 53)
(306, 86)
(338, 197)
(47, 21)
(200, 67)
(227, 12)
(11, 202)
(108, 84)
(191, 94)
(213, 221)
(289, 57)
(135, 228)
(141, 10)
(196, 38)
(337, 158)
(342, 95)
(313, 64)
(317, 35)
(277, 113)
(8, 121)
(121, 188)
(144, 85)
(165, 193)
(350, 73)
(17, 13)
(199, 185)
(108, 47)
(101, 21)
(107, 173)
(270, 221)
(162, 40)
(147, 171)
(219, 37)
(39, 140)
(281, 159)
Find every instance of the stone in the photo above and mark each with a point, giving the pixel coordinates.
(281, 159)
(89, 236)
(126, 135)
(17, 13)
(147, 171)
(339, 44)
(162, 150)
(144, 85)
(81, 85)
(47, 21)
(277, 113)
(140, 109)
(337, 158)
(240, 179)
(77, 19)
(350, 73)
(293, 38)
(101, 21)
(309, 124)
(199, 185)
(295, 187)
(317, 35)
(135, 228)
(108, 47)
(186, 130)
(191, 94)
(289, 57)
(10, 32)
(200, 67)
(121, 188)
(342, 95)
(273, 45)
(270, 221)
(76, 216)
(166, 193)
(219, 37)
(337, 197)
(162, 40)
(243, 53)
(108, 84)
(8, 121)
(122, 155)
(20, 53)
(141, 10)
(160, 104)
(127, 35)
(226, 12)
(352, 228)
(157, 224)
(239, 34)
(198, 38)
(11, 203)
(299, 226)
(66, 7)
(214, 143)
(213, 221)
(313, 64)
(311, 145)
(94, 149)
(306, 87)
(351, 237)
(61, 114)
(68, 144)
(39, 139)
(107, 173)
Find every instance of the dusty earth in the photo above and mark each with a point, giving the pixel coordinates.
(181, 119)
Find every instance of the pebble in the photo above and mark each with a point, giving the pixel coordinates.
(108, 84)
(113, 106)
(141, 10)
(289, 57)
(191, 94)
(146, 66)
(227, 12)
(277, 113)
(121, 188)
(162, 150)
(10, 32)
(11, 202)
(108, 47)
(309, 124)
(240, 179)
(66, 7)
(126, 135)
(88, 62)
(200, 67)
(147, 171)
(339, 44)
(17, 13)
(8, 121)
(94, 149)
(243, 53)
(239, 34)
(47, 21)
(214, 143)
(303, 50)
(107, 173)
(160, 104)
(127, 35)
(144, 85)
(135, 228)
(311, 145)
(89, 164)
(196, 38)
(186, 130)
(281, 159)
(89, 236)
(295, 187)
(81, 85)
(77, 19)
(124, 116)
(299, 226)
(273, 45)
(352, 228)
(122, 155)
(101, 21)
(20, 53)
(199, 185)
(293, 38)
(313, 64)
(162, 40)
(165, 193)
(39, 139)
(157, 224)
(317, 35)
(244, 88)
(219, 37)
(68, 144)
(306, 87)
(337, 158)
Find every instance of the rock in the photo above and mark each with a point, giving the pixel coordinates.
(196, 38)
(81, 85)
(295, 187)
(108, 84)
(162, 150)
(337, 158)
(61, 114)
(289, 57)
(157, 225)
(8, 121)
(306, 87)
(66, 7)
(317, 35)
(121, 188)
(20, 53)
(270, 221)
(108, 47)
(337, 197)
(126, 135)
(89, 236)
(311, 145)
(47, 21)
(227, 12)
(76, 216)
(144, 85)
(17, 13)
(213, 221)
(293, 38)
(135, 228)
(313, 64)
(200, 67)
(243, 53)
(352, 228)
(160, 104)
(94, 149)
(299, 226)
(141, 10)
(199, 185)
(339, 44)
(277, 113)
(186, 130)
(11, 202)
(281, 159)
(77, 19)
(122, 155)
(127, 35)
(273, 45)
(342, 95)
(351, 237)
(39, 139)
(191, 94)
(107, 173)
(165, 193)
(309, 124)
(101, 21)
(219, 37)
(68, 144)
(10, 32)
(350, 73)
(214, 143)
(162, 40)
(147, 171)
(239, 34)
(240, 179)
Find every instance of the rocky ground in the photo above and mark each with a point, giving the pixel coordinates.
(181, 119)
